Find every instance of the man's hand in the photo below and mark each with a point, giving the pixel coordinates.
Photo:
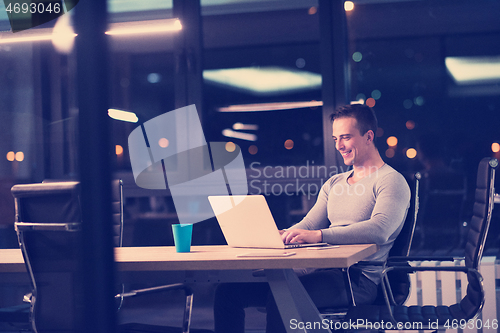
(301, 236)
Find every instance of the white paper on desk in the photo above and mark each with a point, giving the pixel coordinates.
(266, 254)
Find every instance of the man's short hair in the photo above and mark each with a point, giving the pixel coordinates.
(364, 115)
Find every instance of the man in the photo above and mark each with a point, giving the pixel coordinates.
(365, 205)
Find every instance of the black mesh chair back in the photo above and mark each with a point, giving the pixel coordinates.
(470, 306)
(48, 202)
(48, 217)
(476, 237)
(117, 208)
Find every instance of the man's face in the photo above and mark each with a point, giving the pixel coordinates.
(349, 142)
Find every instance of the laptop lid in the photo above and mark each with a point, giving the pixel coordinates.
(246, 221)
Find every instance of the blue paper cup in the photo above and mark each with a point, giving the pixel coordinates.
(182, 237)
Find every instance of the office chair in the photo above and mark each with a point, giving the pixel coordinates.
(439, 316)
(48, 223)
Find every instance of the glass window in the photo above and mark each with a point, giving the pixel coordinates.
(262, 86)
(405, 68)
(433, 78)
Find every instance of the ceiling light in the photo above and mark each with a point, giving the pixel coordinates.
(123, 115)
(474, 70)
(257, 107)
(264, 80)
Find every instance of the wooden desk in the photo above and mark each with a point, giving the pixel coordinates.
(291, 298)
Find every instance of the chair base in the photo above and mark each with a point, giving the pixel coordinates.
(146, 328)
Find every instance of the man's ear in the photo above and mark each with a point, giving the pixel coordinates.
(370, 136)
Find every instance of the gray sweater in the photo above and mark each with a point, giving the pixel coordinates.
(370, 211)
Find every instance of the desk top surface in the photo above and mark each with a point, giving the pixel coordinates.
(214, 257)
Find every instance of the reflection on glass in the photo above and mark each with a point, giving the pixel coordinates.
(145, 27)
(239, 135)
(269, 106)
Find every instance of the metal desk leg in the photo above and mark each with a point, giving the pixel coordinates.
(293, 301)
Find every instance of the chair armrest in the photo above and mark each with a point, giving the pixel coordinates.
(188, 308)
(188, 291)
(422, 258)
(413, 269)
(370, 263)
(71, 226)
(404, 259)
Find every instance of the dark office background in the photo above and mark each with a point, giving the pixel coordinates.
(392, 56)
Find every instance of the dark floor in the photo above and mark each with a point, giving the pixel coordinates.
(167, 310)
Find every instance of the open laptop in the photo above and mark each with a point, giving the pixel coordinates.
(246, 221)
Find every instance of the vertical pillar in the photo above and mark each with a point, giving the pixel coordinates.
(334, 69)
(188, 51)
(94, 167)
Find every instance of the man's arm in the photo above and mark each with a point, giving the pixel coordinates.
(392, 202)
(309, 229)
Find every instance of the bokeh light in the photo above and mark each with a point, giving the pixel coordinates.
(348, 6)
(163, 142)
(419, 101)
(300, 63)
(392, 141)
(407, 104)
(370, 102)
(495, 147)
(154, 78)
(410, 124)
(361, 97)
(411, 153)
(357, 56)
(118, 150)
(19, 156)
(230, 146)
(253, 149)
(389, 153)
(376, 94)
(11, 156)
(289, 144)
